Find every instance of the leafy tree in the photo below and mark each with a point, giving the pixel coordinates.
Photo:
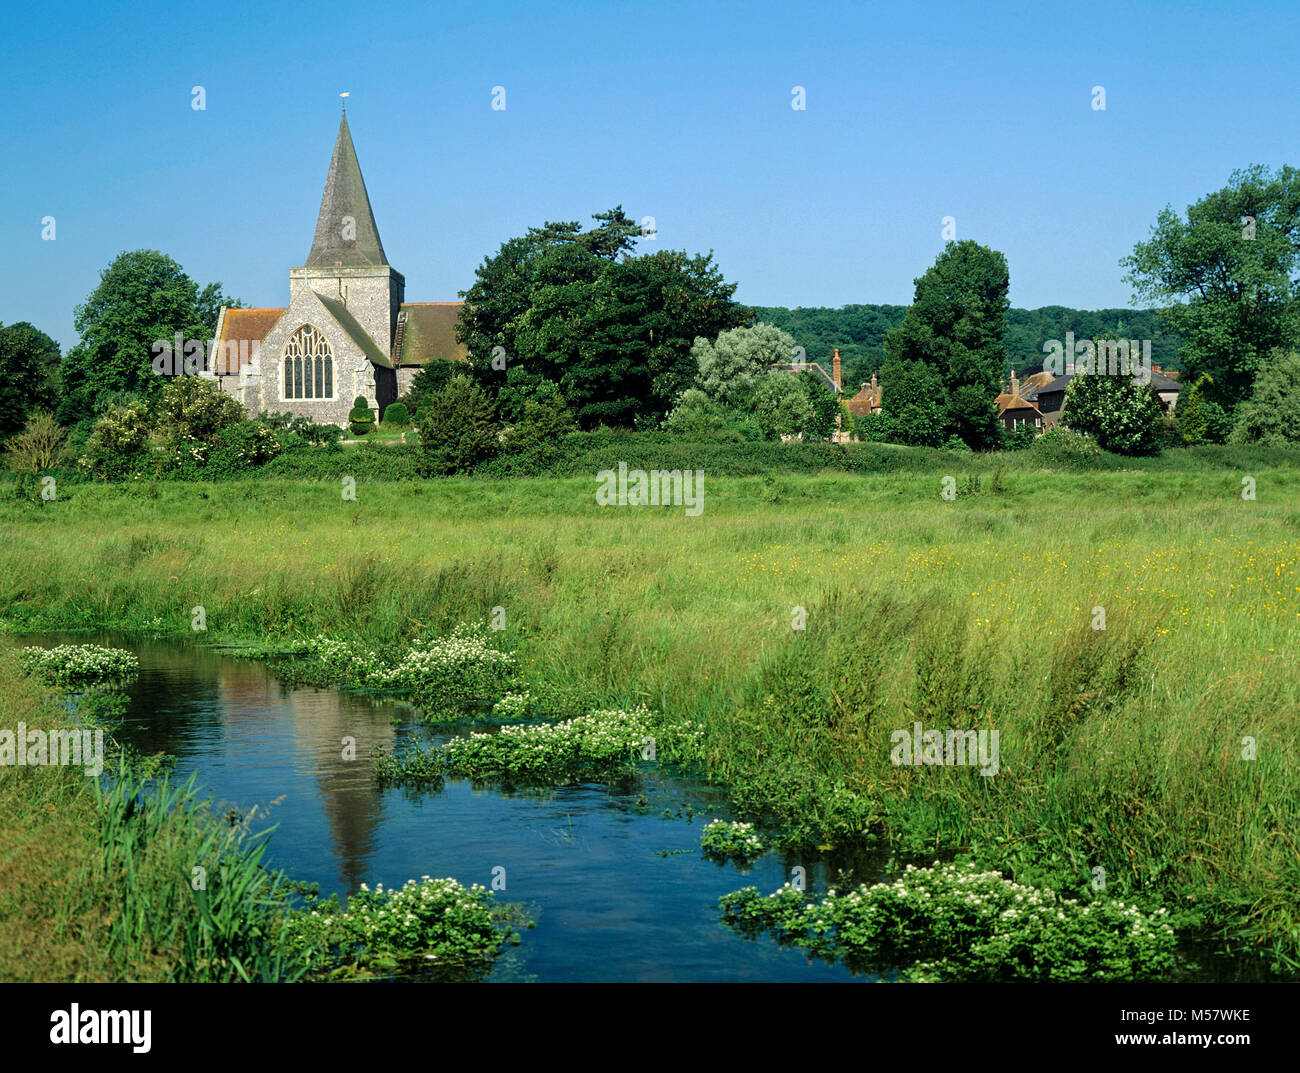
(613, 331)
(143, 298)
(1190, 415)
(917, 407)
(731, 365)
(1271, 416)
(1123, 416)
(698, 417)
(825, 405)
(781, 406)
(29, 364)
(458, 427)
(1232, 298)
(955, 325)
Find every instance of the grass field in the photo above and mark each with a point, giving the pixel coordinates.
(1121, 748)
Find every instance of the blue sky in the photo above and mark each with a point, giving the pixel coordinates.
(681, 111)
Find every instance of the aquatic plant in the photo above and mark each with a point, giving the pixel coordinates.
(78, 665)
(427, 923)
(954, 922)
(725, 839)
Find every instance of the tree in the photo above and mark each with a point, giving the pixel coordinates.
(1227, 277)
(825, 405)
(613, 331)
(143, 298)
(956, 324)
(538, 436)
(29, 366)
(458, 427)
(730, 366)
(1271, 416)
(781, 406)
(193, 409)
(917, 408)
(1121, 415)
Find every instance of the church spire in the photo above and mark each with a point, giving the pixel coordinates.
(345, 230)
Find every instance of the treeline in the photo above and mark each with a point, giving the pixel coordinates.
(859, 332)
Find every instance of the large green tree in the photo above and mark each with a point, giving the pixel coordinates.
(29, 366)
(612, 330)
(143, 298)
(1227, 277)
(1271, 416)
(956, 325)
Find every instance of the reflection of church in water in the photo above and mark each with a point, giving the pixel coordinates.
(348, 797)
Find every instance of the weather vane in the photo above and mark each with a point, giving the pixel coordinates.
(345, 97)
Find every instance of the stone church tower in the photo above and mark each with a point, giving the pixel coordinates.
(347, 331)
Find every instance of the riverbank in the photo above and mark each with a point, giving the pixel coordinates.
(1122, 751)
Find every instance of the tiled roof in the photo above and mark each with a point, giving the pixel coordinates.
(797, 367)
(242, 326)
(430, 333)
(865, 401)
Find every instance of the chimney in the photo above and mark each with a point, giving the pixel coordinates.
(1015, 384)
(835, 368)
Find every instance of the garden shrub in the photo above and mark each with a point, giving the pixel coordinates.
(396, 414)
(360, 419)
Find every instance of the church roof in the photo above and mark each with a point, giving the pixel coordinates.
(357, 333)
(430, 333)
(242, 325)
(345, 199)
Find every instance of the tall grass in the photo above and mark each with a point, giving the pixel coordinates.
(1121, 748)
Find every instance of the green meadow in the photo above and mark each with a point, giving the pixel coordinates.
(1159, 751)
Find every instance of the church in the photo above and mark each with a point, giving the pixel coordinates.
(348, 329)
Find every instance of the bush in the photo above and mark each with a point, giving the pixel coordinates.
(241, 447)
(1064, 447)
(1123, 416)
(396, 414)
(295, 430)
(459, 429)
(38, 446)
(118, 447)
(1271, 416)
(1019, 438)
(360, 419)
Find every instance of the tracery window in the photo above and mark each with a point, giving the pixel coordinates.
(308, 366)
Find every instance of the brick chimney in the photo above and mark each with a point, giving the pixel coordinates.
(1015, 384)
(835, 368)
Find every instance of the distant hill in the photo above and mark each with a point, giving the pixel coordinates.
(859, 332)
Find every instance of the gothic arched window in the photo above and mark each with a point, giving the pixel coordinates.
(308, 366)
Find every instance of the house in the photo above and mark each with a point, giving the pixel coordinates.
(1049, 396)
(833, 382)
(867, 400)
(1016, 408)
(348, 330)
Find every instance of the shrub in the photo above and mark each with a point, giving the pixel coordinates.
(539, 435)
(1019, 438)
(192, 409)
(38, 446)
(1064, 447)
(1271, 416)
(241, 447)
(360, 419)
(118, 446)
(396, 414)
(458, 429)
(1123, 416)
